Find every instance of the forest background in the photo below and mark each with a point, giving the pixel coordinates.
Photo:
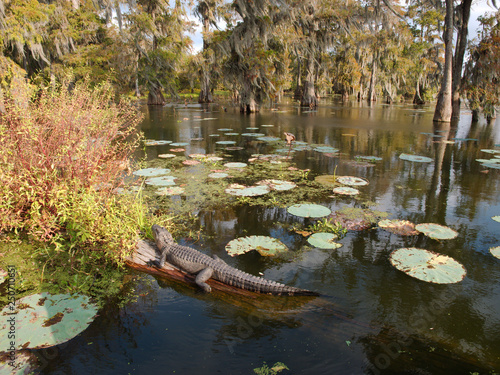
(370, 50)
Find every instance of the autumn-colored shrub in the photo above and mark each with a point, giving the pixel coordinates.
(63, 151)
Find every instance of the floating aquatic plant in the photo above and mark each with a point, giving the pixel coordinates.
(179, 144)
(44, 320)
(325, 179)
(324, 240)
(149, 172)
(309, 210)
(345, 190)
(177, 149)
(401, 227)
(166, 156)
(267, 126)
(278, 184)
(161, 181)
(247, 191)
(269, 139)
(327, 149)
(415, 158)
(428, 266)
(354, 218)
(191, 162)
(253, 134)
(266, 246)
(225, 142)
(218, 175)
(369, 158)
(225, 129)
(496, 218)
(436, 231)
(235, 165)
(231, 134)
(352, 181)
(495, 251)
(152, 142)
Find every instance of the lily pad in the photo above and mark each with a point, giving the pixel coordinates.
(326, 149)
(152, 142)
(166, 156)
(218, 175)
(323, 240)
(495, 251)
(253, 134)
(225, 129)
(269, 139)
(370, 158)
(415, 158)
(176, 190)
(309, 210)
(44, 320)
(352, 181)
(401, 227)
(247, 191)
(267, 126)
(150, 172)
(266, 246)
(235, 165)
(278, 184)
(428, 266)
(345, 190)
(436, 231)
(496, 218)
(179, 144)
(177, 149)
(161, 181)
(231, 134)
(191, 162)
(491, 165)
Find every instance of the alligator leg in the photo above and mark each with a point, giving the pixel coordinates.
(163, 257)
(203, 276)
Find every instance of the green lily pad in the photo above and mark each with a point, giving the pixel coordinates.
(150, 172)
(152, 142)
(252, 128)
(495, 251)
(266, 246)
(323, 240)
(269, 139)
(218, 175)
(176, 190)
(326, 149)
(415, 158)
(44, 320)
(235, 165)
(279, 185)
(352, 181)
(428, 266)
(491, 165)
(309, 210)
(214, 135)
(496, 218)
(345, 190)
(247, 191)
(231, 134)
(369, 158)
(179, 144)
(166, 156)
(224, 129)
(161, 181)
(253, 134)
(267, 126)
(436, 231)
(489, 151)
(401, 227)
(225, 142)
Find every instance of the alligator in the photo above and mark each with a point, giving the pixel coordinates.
(205, 267)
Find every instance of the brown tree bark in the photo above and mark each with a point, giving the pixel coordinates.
(155, 96)
(309, 98)
(444, 106)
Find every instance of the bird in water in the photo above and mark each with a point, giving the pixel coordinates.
(289, 139)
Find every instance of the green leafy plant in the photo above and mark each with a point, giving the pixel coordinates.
(266, 370)
(326, 225)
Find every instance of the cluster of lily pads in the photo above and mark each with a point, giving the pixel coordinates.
(493, 162)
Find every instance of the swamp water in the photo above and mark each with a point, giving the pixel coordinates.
(371, 318)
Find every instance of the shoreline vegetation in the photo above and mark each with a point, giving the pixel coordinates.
(65, 149)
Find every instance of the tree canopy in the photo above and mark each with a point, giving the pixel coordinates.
(369, 50)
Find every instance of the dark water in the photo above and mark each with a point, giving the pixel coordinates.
(371, 318)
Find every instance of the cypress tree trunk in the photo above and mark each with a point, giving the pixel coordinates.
(459, 55)
(205, 92)
(155, 96)
(443, 109)
(372, 97)
(248, 104)
(309, 95)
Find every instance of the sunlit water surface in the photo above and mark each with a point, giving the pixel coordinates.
(371, 318)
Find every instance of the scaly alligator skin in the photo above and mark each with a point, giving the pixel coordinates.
(205, 267)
